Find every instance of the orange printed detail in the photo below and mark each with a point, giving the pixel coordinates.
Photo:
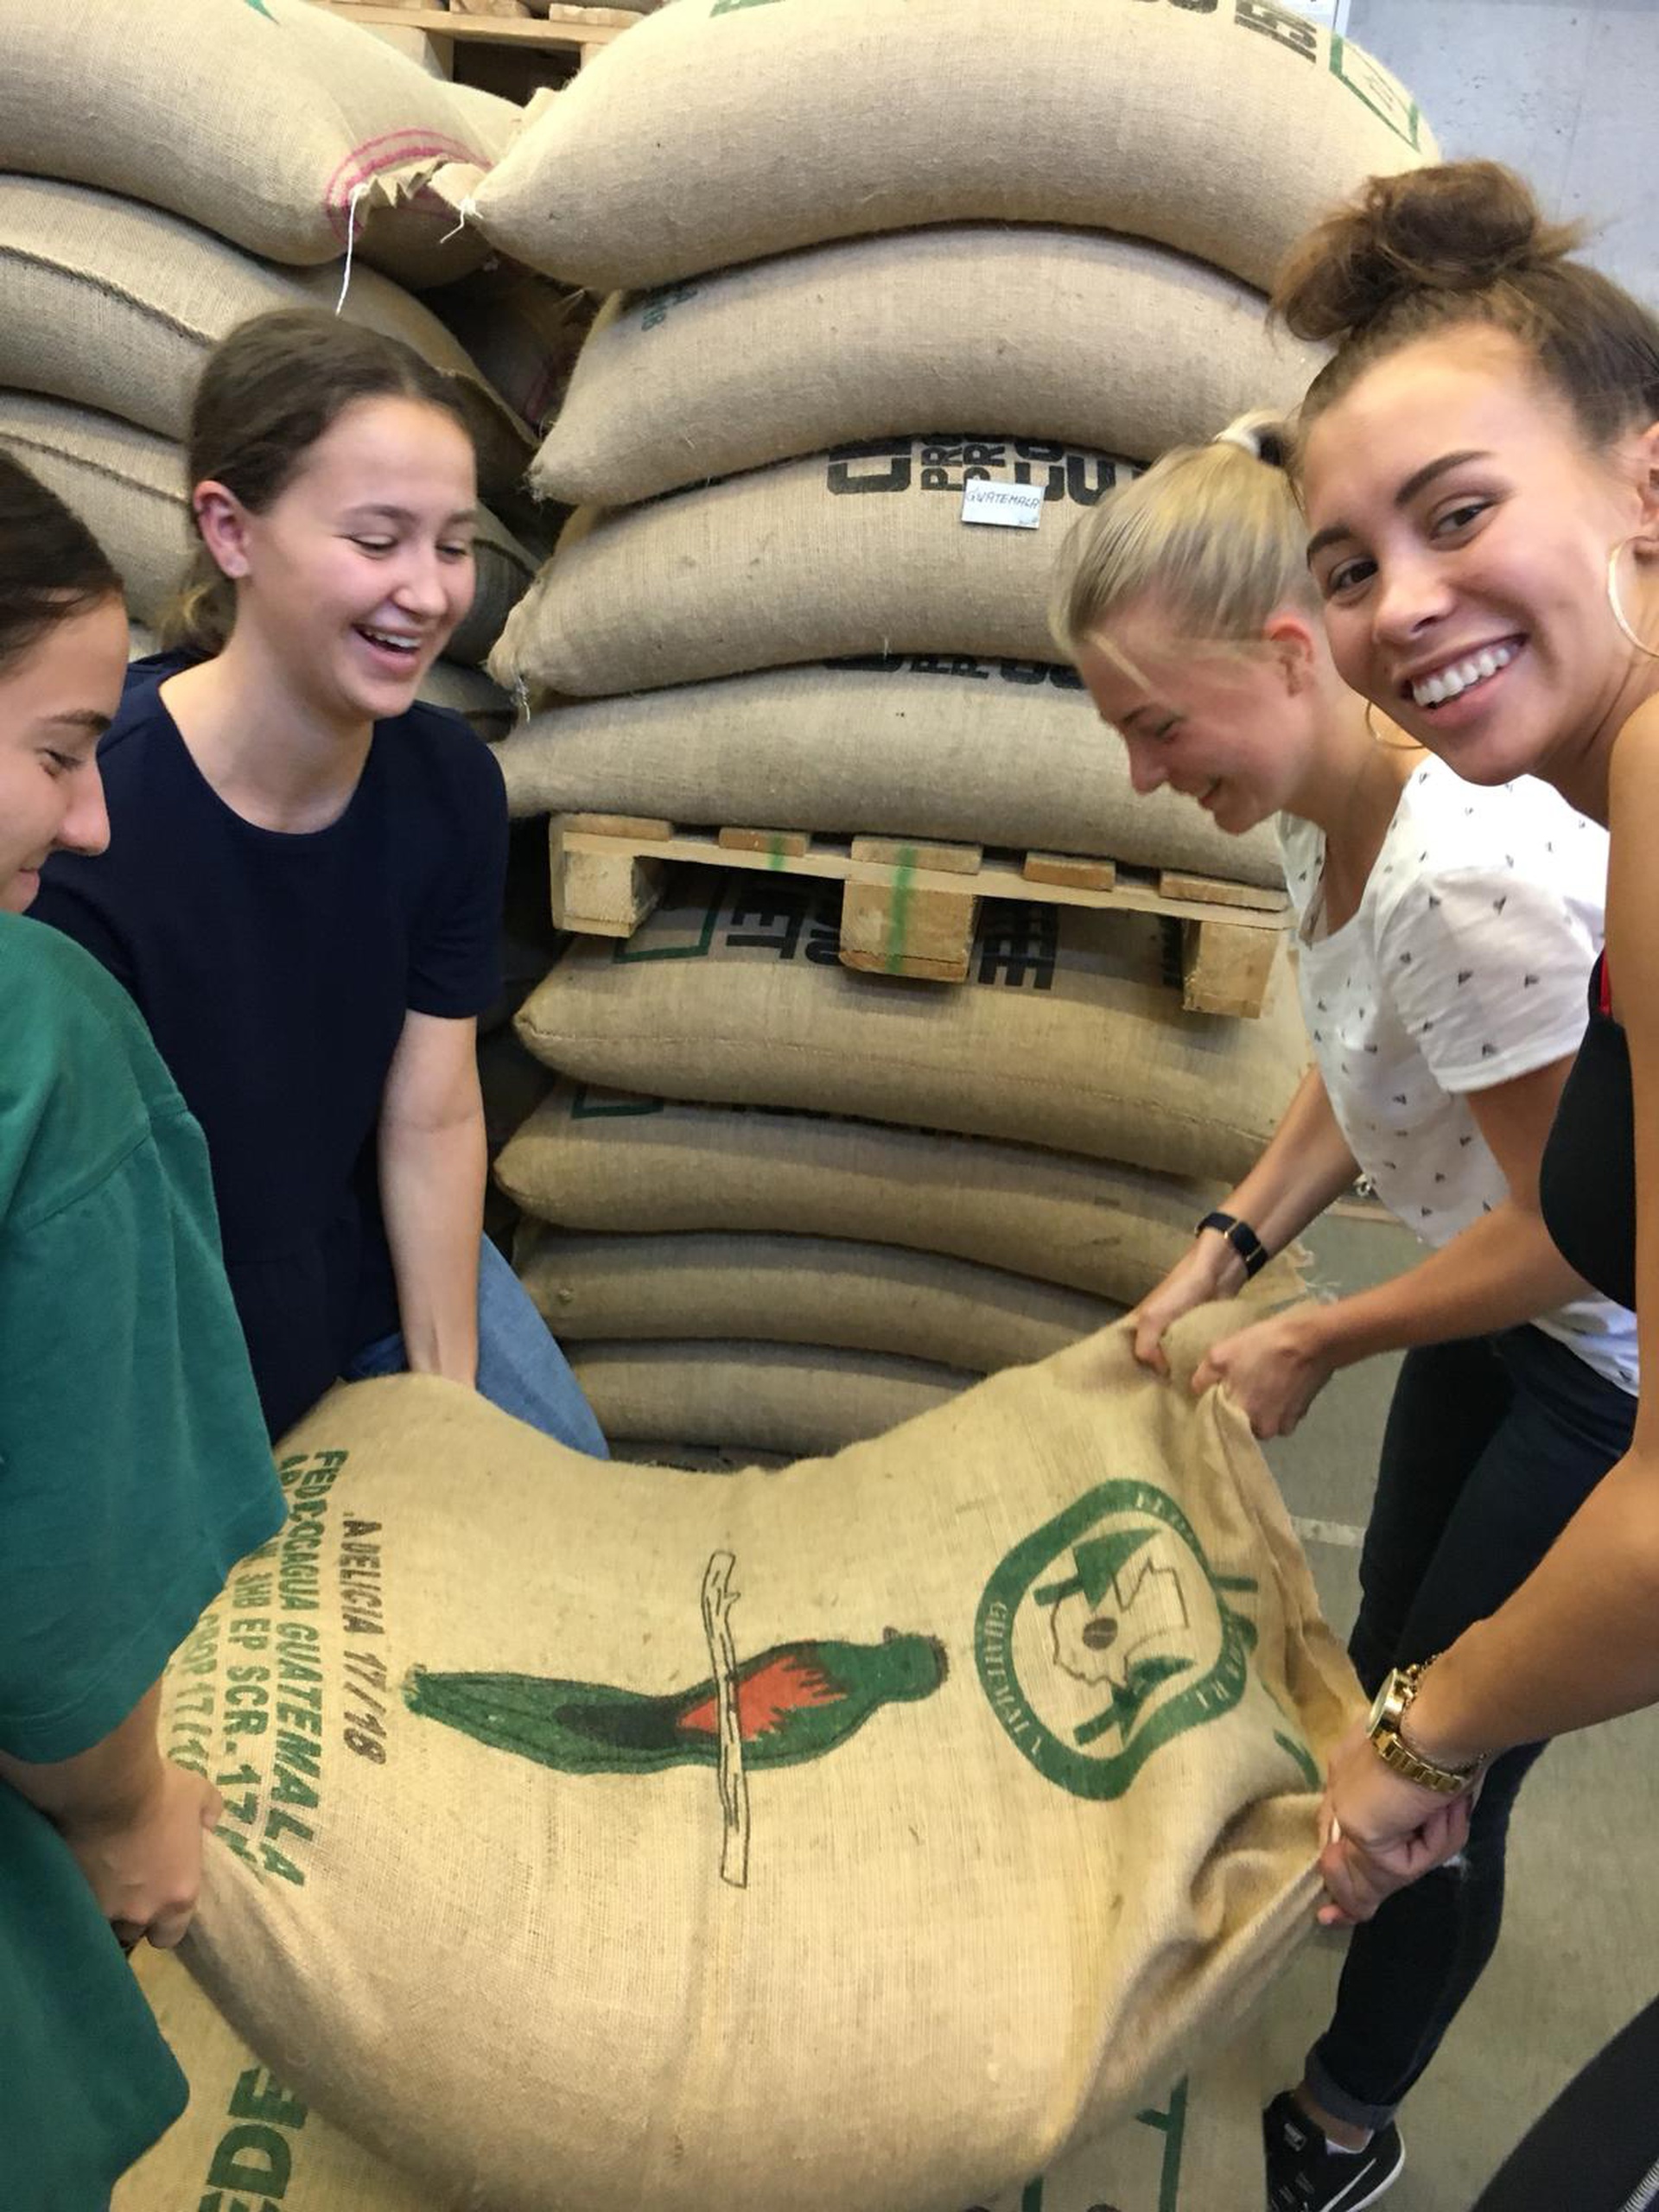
(765, 1699)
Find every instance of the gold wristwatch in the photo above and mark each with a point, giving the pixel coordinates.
(1386, 1728)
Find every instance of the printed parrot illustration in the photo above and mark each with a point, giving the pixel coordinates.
(794, 1702)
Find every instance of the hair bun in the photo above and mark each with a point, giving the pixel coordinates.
(1458, 227)
(1262, 433)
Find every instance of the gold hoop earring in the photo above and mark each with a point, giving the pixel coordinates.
(1613, 602)
(1388, 743)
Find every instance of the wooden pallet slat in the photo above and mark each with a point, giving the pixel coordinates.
(1067, 868)
(904, 853)
(902, 918)
(561, 30)
(890, 925)
(776, 844)
(1217, 891)
(1225, 969)
(602, 885)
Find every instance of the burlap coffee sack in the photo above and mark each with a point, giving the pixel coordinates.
(1030, 1701)
(272, 122)
(246, 2143)
(612, 1161)
(724, 130)
(1066, 1035)
(993, 751)
(799, 1400)
(114, 305)
(1194, 2148)
(799, 1290)
(128, 486)
(863, 549)
(524, 332)
(1103, 342)
(469, 692)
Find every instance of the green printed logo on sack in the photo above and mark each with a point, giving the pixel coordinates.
(1107, 1634)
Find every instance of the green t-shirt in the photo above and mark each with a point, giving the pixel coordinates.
(134, 1473)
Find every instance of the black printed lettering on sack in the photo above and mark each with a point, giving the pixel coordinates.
(973, 459)
(950, 664)
(1283, 25)
(872, 465)
(1018, 945)
(1032, 674)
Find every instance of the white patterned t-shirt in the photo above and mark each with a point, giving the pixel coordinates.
(1466, 966)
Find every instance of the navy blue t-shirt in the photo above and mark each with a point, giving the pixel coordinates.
(275, 971)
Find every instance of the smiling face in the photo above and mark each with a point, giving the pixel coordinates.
(1460, 532)
(56, 699)
(1226, 728)
(352, 581)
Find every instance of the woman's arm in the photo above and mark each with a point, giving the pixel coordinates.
(1500, 1270)
(134, 1821)
(1305, 1165)
(433, 1162)
(1578, 1642)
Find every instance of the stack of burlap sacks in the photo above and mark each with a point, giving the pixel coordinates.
(169, 168)
(883, 267)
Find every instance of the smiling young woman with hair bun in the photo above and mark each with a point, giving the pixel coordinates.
(1479, 469)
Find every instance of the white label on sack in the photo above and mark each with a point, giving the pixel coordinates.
(1015, 507)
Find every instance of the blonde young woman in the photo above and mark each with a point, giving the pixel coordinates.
(1445, 939)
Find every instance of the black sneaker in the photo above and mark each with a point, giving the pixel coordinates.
(1305, 2175)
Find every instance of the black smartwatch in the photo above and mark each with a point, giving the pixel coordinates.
(1242, 1239)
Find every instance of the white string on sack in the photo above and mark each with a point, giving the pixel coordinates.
(464, 215)
(357, 191)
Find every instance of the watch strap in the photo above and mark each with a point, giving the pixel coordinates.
(1389, 1740)
(1242, 1239)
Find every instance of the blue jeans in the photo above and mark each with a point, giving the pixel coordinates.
(1492, 1444)
(521, 1367)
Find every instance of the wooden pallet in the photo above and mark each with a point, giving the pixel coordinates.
(558, 29)
(910, 908)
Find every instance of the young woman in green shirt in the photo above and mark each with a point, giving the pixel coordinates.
(134, 1469)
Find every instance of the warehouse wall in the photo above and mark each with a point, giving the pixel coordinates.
(1565, 90)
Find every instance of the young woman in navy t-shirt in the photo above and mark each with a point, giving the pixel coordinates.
(303, 890)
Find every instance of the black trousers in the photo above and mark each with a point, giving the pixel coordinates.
(1491, 1445)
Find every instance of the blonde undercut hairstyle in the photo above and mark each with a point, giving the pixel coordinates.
(1212, 534)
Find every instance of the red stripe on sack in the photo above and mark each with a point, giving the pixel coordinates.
(1606, 986)
(402, 146)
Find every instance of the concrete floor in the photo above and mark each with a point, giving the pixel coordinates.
(1580, 1947)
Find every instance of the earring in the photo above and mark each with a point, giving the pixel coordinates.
(1613, 602)
(1388, 743)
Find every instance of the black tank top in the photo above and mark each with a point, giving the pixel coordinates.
(1586, 1184)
